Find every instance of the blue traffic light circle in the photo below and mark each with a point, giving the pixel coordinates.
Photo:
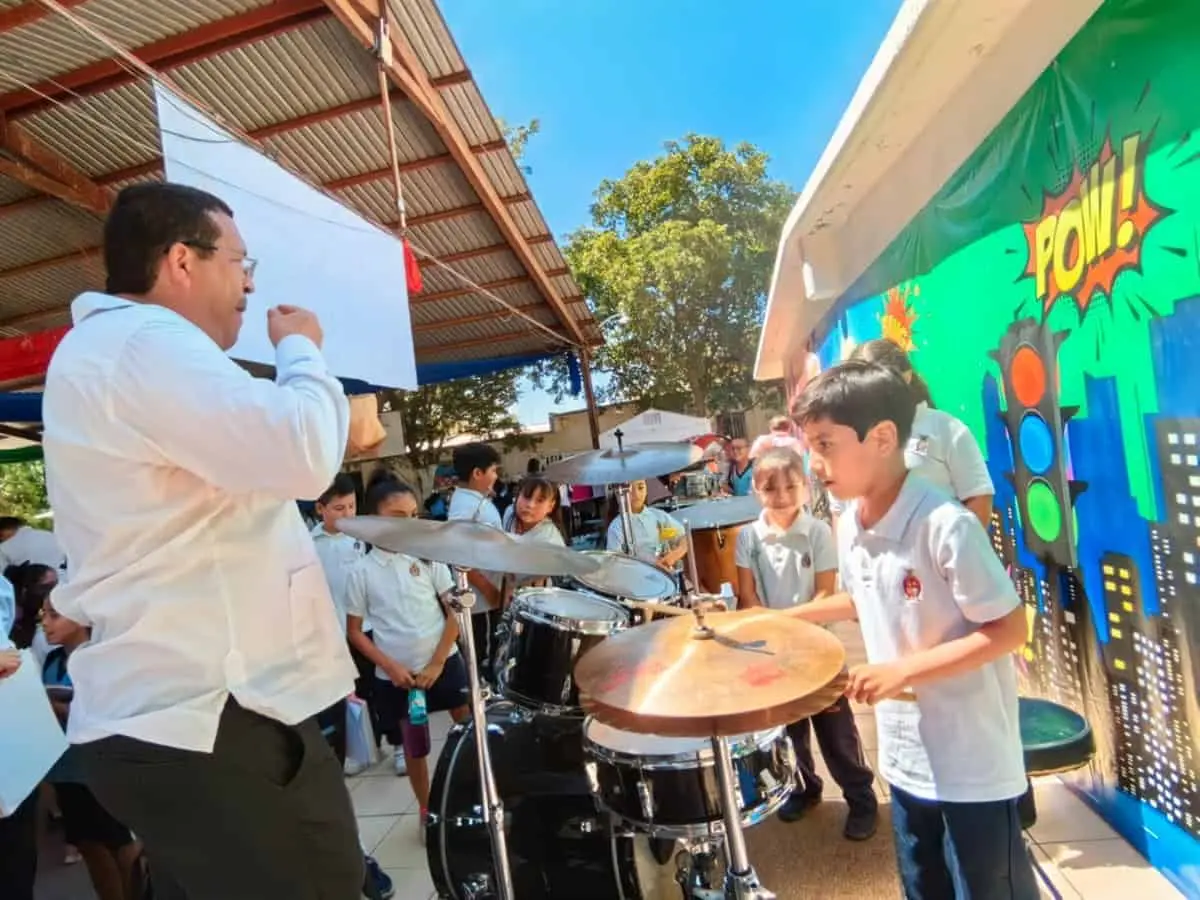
(1035, 442)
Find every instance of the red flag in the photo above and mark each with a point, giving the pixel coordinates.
(412, 270)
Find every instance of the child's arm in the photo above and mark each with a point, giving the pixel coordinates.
(986, 598)
(743, 559)
(824, 560)
(834, 608)
(483, 584)
(443, 583)
(399, 675)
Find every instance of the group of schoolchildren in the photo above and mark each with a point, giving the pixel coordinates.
(907, 556)
(395, 608)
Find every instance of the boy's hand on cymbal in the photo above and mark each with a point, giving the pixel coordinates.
(871, 684)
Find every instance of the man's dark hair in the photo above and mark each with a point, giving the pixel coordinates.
(145, 221)
(11, 523)
(470, 457)
(859, 395)
(343, 486)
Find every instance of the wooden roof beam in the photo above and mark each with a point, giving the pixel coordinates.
(425, 327)
(169, 53)
(505, 338)
(466, 290)
(29, 12)
(410, 76)
(34, 164)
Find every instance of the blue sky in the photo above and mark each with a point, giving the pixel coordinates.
(611, 80)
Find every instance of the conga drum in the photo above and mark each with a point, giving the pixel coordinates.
(715, 525)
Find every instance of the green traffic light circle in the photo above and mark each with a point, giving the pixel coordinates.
(1045, 512)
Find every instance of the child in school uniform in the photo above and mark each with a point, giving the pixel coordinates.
(477, 467)
(784, 559)
(415, 643)
(535, 517)
(940, 622)
(657, 535)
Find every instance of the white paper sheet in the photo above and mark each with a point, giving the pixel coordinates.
(311, 251)
(31, 740)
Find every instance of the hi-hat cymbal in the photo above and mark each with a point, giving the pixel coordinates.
(468, 545)
(758, 669)
(636, 462)
(719, 512)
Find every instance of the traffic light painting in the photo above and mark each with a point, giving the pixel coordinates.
(1028, 358)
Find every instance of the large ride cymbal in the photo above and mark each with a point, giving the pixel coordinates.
(467, 545)
(720, 512)
(636, 462)
(758, 669)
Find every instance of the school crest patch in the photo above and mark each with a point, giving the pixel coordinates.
(415, 570)
(806, 560)
(912, 586)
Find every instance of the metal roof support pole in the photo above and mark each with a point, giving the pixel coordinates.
(383, 56)
(593, 411)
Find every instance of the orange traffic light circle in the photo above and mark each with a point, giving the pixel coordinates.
(1028, 376)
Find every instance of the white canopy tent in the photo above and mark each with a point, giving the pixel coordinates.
(655, 425)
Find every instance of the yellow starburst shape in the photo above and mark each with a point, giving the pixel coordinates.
(898, 316)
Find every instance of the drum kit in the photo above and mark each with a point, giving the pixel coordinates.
(635, 734)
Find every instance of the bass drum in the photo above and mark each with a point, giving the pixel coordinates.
(560, 847)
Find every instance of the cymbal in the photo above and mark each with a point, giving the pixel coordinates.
(760, 668)
(719, 512)
(636, 462)
(467, 545)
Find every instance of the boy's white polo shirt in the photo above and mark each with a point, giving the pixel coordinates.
(926, 574)
(338, 554)
(785, 562)
(400, 595)
(471, 506)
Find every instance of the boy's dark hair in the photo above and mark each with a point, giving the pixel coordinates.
(470, 457)
(145, 221)
(343, 486)
(859, 395)
(11, 523)
(30, 595)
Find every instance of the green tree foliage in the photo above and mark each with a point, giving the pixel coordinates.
(678, 257)
(435, 413)
(518, 136)
(23, 491)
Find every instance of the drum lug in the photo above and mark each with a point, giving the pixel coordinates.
(593, 778)
(645, 792)
(478, 886)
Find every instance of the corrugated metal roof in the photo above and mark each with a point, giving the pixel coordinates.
(299, 81)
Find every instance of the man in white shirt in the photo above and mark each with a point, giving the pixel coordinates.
(173, 475)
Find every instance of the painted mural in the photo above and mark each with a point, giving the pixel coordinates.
(1050, 296)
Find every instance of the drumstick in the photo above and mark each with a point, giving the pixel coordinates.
(658, 608)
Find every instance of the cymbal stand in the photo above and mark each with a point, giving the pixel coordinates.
(462, 599)
(691, 559)
(741, 881)
(625, 505)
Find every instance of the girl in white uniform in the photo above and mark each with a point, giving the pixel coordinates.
(656, 534)
(415, 636)
(535, 517)
(940, 449)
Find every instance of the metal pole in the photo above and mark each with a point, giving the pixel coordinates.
(691, 560)
(626, 507)
(461, 601)
(585, 370)
(741, 882)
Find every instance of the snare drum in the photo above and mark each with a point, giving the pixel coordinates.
(667, 787)
(624, 578)
(545, 631)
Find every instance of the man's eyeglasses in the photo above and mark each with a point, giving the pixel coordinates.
(248, 263)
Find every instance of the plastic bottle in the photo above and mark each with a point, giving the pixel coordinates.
(418, 713)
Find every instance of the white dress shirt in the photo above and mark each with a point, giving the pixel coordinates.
(173, 474)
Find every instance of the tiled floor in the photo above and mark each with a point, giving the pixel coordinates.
(1082, 858)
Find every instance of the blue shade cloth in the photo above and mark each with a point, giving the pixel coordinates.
(26, 406)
